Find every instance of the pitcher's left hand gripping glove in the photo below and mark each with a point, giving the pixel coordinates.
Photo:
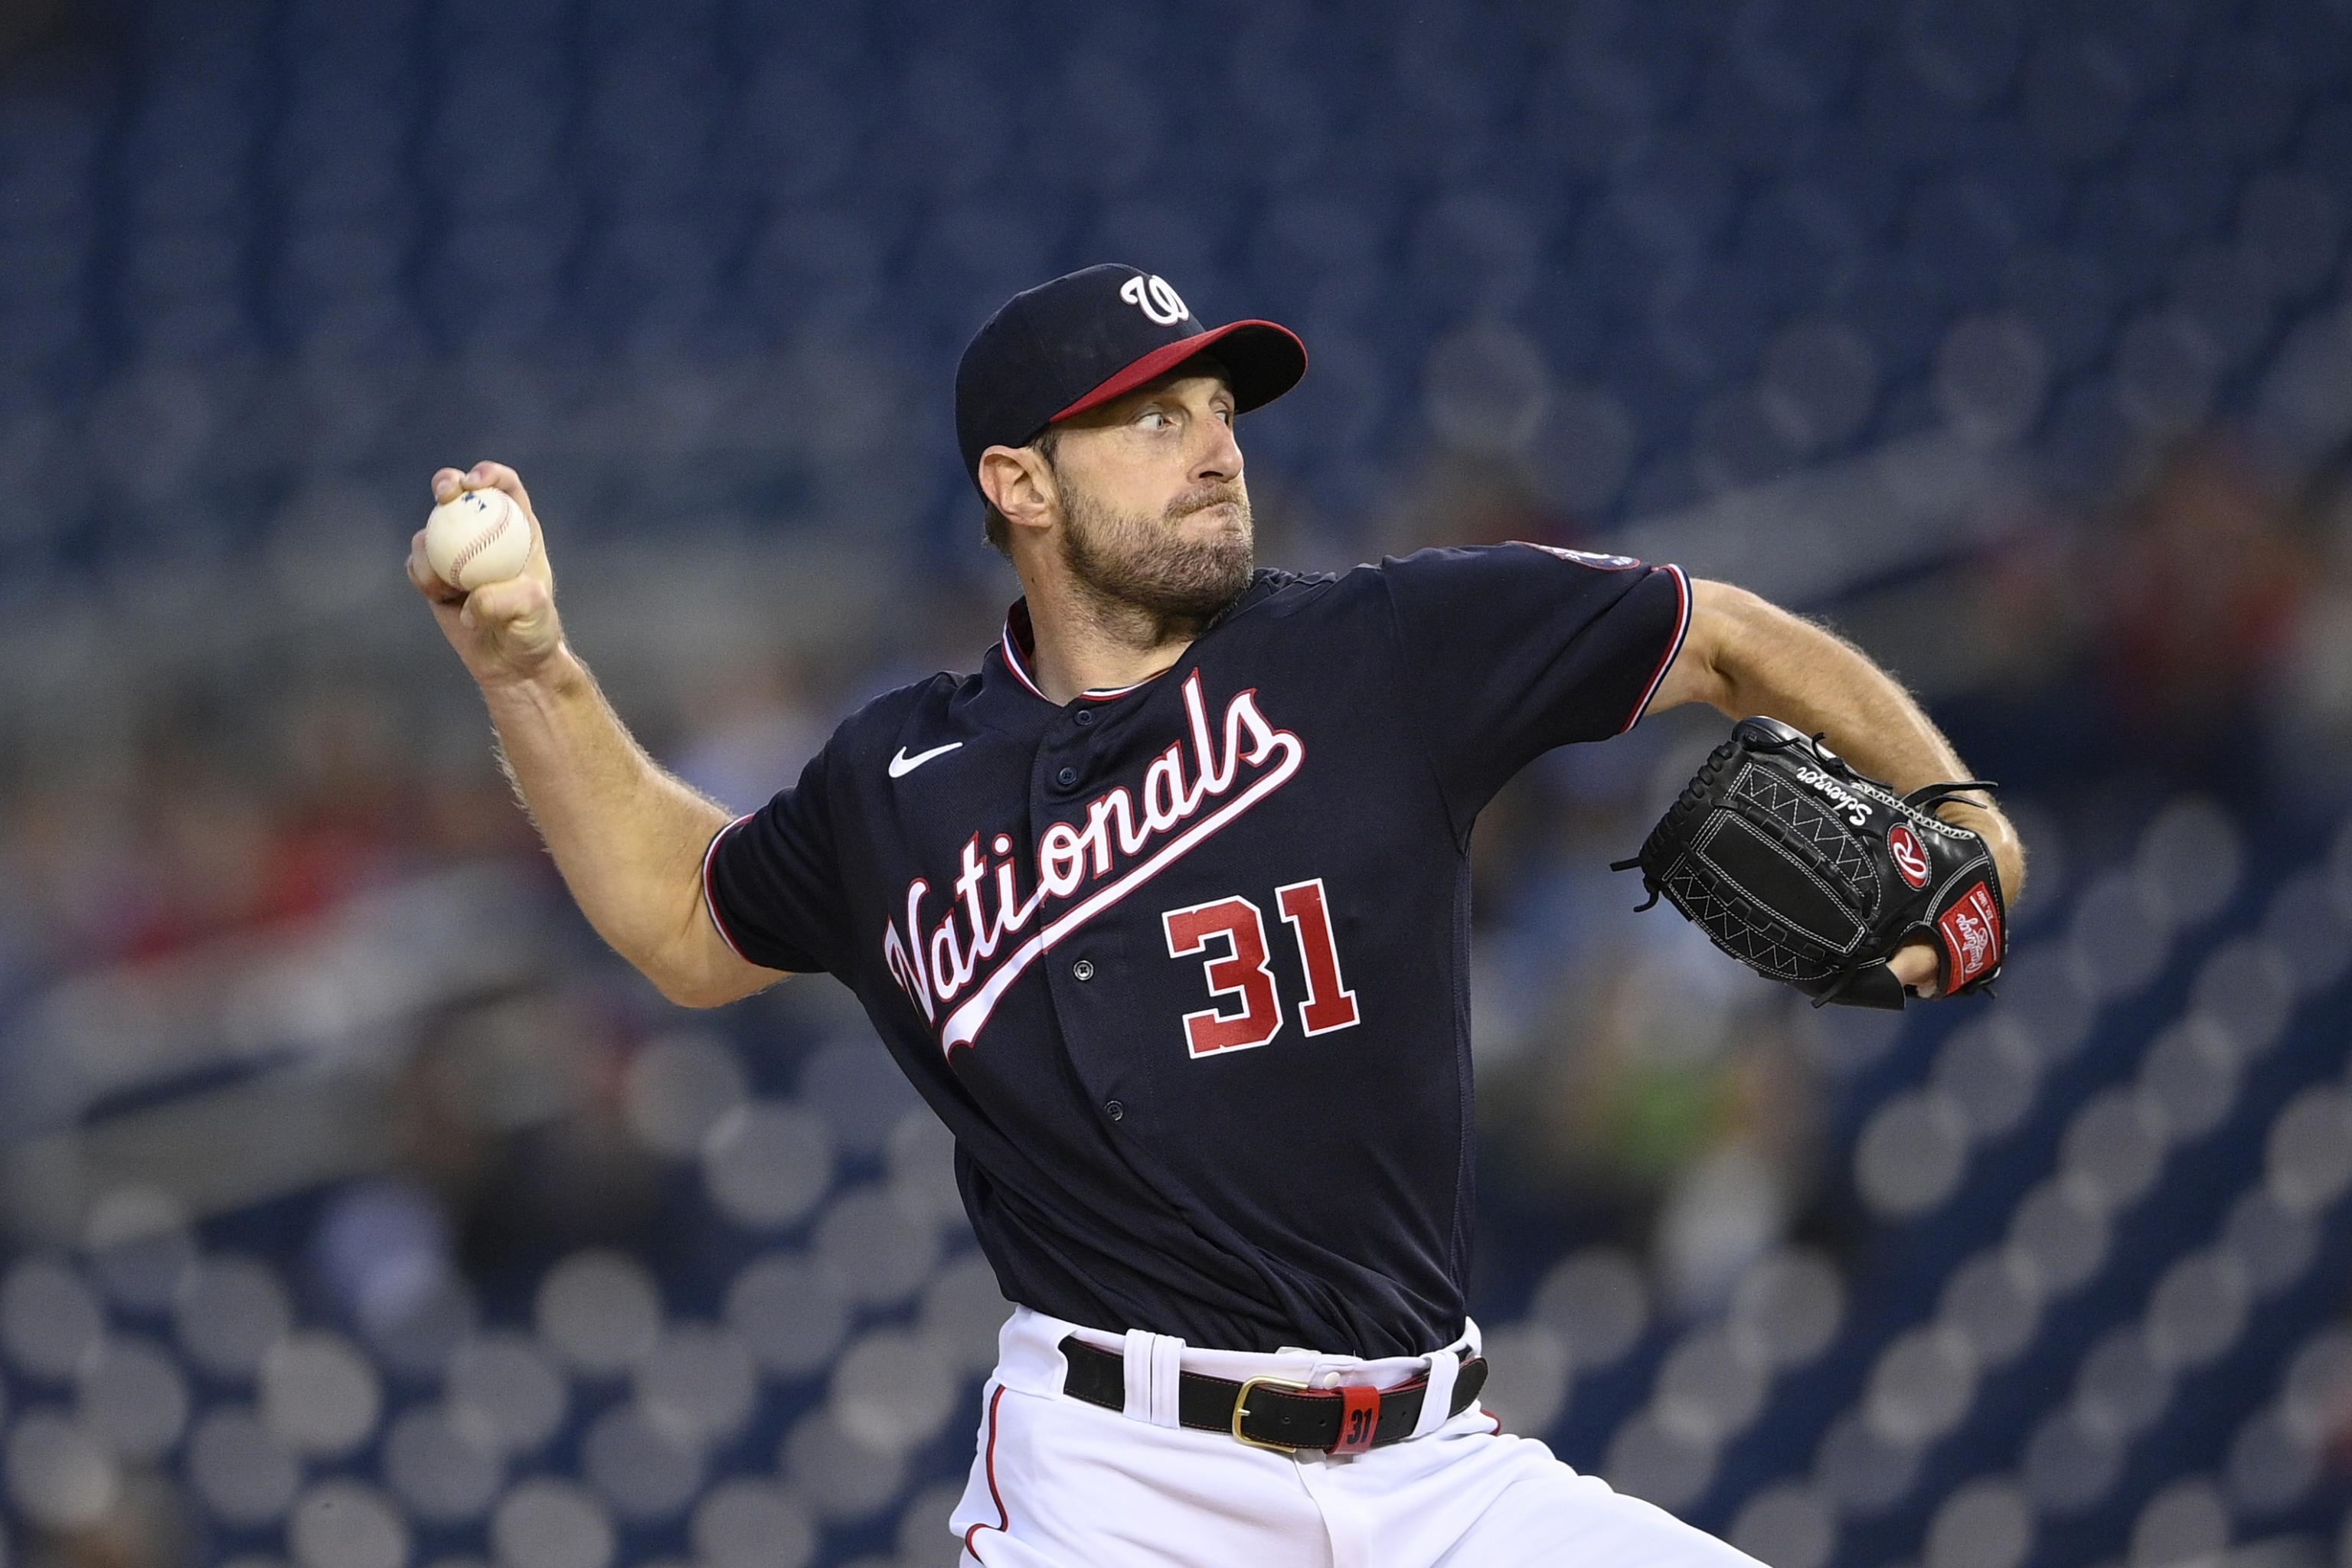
(1813, 874)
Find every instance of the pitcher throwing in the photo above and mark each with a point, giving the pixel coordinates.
(1165, 911)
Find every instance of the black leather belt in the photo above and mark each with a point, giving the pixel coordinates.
(1275, 1412)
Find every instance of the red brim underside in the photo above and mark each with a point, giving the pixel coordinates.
(1263, 359)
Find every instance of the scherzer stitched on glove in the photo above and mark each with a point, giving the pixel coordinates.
(1812, 874)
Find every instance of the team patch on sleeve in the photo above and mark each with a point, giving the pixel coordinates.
(1583, 557)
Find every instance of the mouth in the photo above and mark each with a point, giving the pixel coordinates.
(1226, 510)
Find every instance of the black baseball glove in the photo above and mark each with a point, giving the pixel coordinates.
(1812, 874)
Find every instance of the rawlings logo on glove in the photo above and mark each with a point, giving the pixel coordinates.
(1813, 874)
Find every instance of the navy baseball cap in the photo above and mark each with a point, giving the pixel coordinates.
(1090, 336)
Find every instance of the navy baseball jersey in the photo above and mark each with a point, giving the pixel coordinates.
(1184, 966)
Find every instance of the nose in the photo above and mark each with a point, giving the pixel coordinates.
(1220, 461)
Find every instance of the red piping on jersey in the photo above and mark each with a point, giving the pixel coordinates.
(709, 901)
(1003, 1520)
(1674, 646)
(1013, 660)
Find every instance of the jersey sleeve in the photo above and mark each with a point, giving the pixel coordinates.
(771, 880)
(1512, 649)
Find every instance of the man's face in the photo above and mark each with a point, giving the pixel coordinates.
(1154, 511)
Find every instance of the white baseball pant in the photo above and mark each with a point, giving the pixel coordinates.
(1058, 1482)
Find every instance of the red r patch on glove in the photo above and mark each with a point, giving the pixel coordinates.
(1972, 933)
(1910, 855)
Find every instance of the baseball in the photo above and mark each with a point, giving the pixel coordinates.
(479, 537)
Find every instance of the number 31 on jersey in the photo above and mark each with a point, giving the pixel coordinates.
(1241, 972)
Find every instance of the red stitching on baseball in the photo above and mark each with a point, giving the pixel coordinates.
(481, 543)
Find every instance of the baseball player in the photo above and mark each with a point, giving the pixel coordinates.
(1165, 911)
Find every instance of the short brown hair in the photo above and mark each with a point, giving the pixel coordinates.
(992, 523)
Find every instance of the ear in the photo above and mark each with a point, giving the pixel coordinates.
(1019, 484)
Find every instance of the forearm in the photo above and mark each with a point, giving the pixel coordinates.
(628, 836)
(1777, 664)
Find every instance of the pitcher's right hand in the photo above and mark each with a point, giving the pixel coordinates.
(507, 633)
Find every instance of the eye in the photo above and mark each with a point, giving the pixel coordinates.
(1147, 418)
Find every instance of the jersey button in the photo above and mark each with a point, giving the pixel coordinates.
(1114, 1109)
(1083, 716)
(1066, 777)
(1084, 969)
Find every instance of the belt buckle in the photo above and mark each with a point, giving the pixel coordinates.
(1241, 1408)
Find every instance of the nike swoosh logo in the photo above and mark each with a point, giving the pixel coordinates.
(902, 765)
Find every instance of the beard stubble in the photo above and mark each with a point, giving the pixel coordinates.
(1145, 565)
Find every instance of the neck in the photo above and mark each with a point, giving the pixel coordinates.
(1088, 642)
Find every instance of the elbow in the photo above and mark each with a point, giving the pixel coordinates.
(704, 975)
(681, 993)
(682, 982)
(692, 965)
(684, 986)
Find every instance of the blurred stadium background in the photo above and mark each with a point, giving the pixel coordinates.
(361, 1212)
